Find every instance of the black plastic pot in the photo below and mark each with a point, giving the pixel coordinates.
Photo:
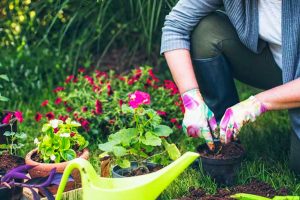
(118, 172)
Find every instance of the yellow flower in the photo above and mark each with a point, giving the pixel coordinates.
(11, 6)
(32, 14)
(21, 18)
(27, 2)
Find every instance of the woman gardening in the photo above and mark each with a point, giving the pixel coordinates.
(207, 43)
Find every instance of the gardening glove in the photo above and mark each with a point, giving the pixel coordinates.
(199, 120)
(238, 115)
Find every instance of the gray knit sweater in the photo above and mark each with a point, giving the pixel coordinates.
(243, 14)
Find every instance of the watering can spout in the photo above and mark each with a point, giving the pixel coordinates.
(166, 175)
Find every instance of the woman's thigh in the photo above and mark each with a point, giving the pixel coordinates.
(216, 35)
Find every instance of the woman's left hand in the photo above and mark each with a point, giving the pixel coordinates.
(238, 115)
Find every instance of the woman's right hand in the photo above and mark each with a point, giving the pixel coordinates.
(199, 120)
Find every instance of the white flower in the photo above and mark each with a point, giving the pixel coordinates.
(36, 141)
(55, 122)
(52, 157)
(65, 135)
(74, 123)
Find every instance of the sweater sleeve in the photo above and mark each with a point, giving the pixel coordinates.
(181, 21)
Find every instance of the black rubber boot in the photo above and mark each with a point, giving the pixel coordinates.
(295, 153)
(216, 84)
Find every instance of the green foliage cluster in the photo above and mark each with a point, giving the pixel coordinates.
(143, 138)
(60, 141)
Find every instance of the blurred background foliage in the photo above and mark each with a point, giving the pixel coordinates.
(42, 41)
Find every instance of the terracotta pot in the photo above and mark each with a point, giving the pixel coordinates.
(43, 169)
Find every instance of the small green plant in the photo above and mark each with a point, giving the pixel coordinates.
(60, 141)
(144, 138)
(13, 139)
(5, 78)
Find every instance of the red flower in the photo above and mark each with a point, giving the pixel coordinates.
(89, 79)
(98, 106)
(44, 103)
(19, 116)
(170, 85)
(121, 102)
(38, 116)
(81, 70)
(137, 98)
(58, 89)
(151, 74)
(84, 109)
(161, 113)
(69, 109)
(50, 115)
(109, 90)
(63, 118)
(111, 121)
(70, 78)
(135, 77)
(174, 120)
(100, 74)
(96, 88)
(84, 123)
(55, 130)
(58, 100)
(7, 118)
(72, 134)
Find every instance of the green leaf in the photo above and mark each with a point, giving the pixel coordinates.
(65, 143)
(2, 98)
(124, 136)
(68, 154)
(108, 146)
(9, 134)
(46, 127)
(4, 77)
(162, 130)
(127, 109)
(151, 139)
(123, 163)
(119, 151)
(21, 135)
(173, 151)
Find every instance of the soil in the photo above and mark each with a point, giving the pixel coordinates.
(9, 162)
(254, 187)
(222, 151)
(142, 170)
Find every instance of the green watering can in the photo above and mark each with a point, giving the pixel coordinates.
(243, 196)
(144, 187)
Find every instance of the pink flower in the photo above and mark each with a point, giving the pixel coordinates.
(55, 130)
(50, 115)
(98, 106)
(44, 103)
(63, 118)
(7, 118)
(174, 120)
(151, 74)
(84, 123)
(192, 131)
(109, 90)
(161, 113)
(38, 116)
(58, 89)
(121, 102)
(72, 134)
(70, 78)
(99, 74)
(58, 100)
(89, 79)
(69, 109)
(137, 98)
(19, 116)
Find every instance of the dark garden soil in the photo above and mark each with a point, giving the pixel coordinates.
(142, 171)
(222, 151)
(8, 162)
(254, 187)
(37, 158)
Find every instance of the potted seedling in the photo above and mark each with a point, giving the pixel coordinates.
(59, 144)
(141, 147)
(8, 157)
(223, 162)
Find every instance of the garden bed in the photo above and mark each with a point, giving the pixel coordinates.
(254, 187)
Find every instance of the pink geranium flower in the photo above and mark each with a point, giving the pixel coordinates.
(58, 89)
(44, 103)
(137, 98)
(19, 116)
(98, 106)
(50, 115)
(7, 118)
(38, 116)
(161, 113)
(58, 100)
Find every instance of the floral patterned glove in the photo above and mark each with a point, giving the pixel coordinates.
(198, 119)
(238, 115)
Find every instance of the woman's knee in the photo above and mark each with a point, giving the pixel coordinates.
(208, 34)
